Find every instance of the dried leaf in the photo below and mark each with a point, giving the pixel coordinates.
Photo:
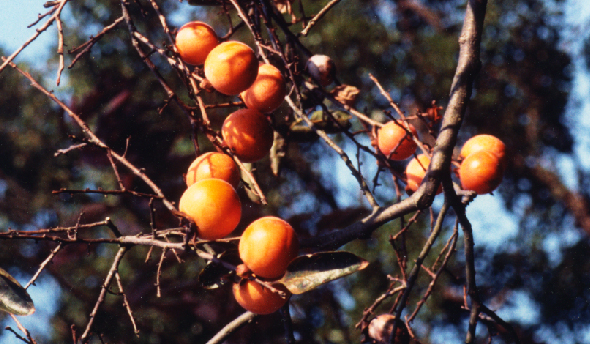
(310, 271)
(345, 94)
(13, 297)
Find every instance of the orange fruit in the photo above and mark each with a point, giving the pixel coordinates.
(481, 172)
(395, 142)
(248, 134)
(214, 206)
(213, 165)
(488, 143)
(194, 41)
(267, 92)
(267, 246)
(231, 67)
(415, 172)
(257, 298)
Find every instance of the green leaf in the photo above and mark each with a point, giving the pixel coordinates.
(13, 297)
(310, 271)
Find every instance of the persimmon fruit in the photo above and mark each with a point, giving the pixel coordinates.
(194, 41)
(481, 172)
(415, 172)
(214, 206)
(322, 69)
(395, 142)
(484, 142)
(267, 92)
(213, 165)
(267, 246)
(257, 298)
(231, 67)
(248, 134)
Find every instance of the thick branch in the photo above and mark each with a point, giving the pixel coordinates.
(467, 68)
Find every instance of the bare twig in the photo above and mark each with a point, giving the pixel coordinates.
(416, 269)
(60, 48)
(126, 303)
(95, 140)
(44, 264)
(60, 5)
(90, 43)
(103, 291)
(359, 177)
(232, 327)
(29, 339)
(318, 16)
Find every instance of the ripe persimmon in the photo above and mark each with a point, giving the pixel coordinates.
(214, 206)
(248, 134)
(481, 172)
(257, 298)
(267, 92)
(395, 142)
(415, 172)
(194, 41)
(267, 246)
(488, 143)
(231, 67)
(213, 165)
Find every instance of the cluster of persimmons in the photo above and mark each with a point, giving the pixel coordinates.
(482, 158)
(269, 244)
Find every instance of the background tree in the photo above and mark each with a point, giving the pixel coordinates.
(136, 96)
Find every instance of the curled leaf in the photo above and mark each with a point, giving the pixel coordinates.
(345, 94)
(310, 271)
(13, 297)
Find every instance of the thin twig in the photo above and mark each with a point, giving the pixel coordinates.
(413, 276)
(90, 43)
(37, 33)
(358, 176)
(29, 339)
(44, 264)
(103, 291)
(60, 48)
(126, 302)
(94, 139)
(232, 327)
(318, 16)
(159, 273)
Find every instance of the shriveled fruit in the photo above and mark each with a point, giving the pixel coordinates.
(322, 69)
(395, 142)
(267, 246)
(481, 172)
(415, 172)
(267, 92)
(194, 41)
(214, 206)
(488, 143)
(248, 134)
(213, 165)
(381, 330)
(257, 298)
(231, 67)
